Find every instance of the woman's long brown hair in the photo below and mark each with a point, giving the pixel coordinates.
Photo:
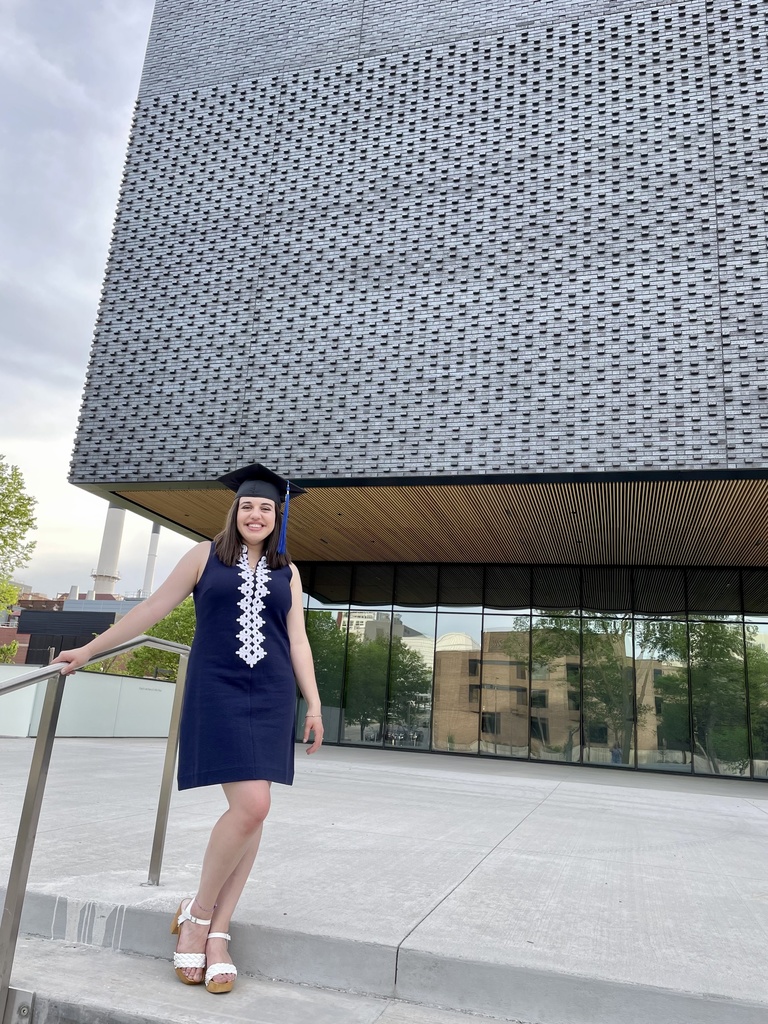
(229, 543)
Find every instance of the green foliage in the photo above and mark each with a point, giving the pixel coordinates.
(16, 520)
(8, 652)
(179, 626)
(713, 652)
(602, 645)
(369, 664)
(328, 648)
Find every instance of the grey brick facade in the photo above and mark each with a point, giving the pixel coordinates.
(400, 239)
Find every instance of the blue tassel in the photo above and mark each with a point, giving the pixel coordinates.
(284, 525)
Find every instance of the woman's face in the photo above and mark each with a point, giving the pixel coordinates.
(255, 519)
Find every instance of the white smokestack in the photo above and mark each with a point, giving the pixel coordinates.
(106, 575)
(149, 574)
(74, 592)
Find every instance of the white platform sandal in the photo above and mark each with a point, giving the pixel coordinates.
(182, 960)
(214, 969)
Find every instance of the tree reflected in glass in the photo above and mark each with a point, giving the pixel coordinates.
(714, 652)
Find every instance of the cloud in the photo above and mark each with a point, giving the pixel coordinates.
(69, 76)
(70, 71)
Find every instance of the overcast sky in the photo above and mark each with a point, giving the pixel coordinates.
(69, 75)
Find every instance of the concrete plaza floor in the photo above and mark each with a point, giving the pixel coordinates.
(526, 892)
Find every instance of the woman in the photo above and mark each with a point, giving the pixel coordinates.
(237, 723)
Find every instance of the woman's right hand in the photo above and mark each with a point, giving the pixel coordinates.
(72, 660)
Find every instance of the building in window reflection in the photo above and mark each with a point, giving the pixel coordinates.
(674, 692)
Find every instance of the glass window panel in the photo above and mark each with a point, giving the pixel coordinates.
(757, 677)
(719, 702)
(607, 589)
(556, 589)
(327, 634)
(607, 696)
(416, 586)
(329, 583)
(659, 592)
(661, 682)
(411, 663)
(755, 584)
(461, 586)
(372, 584)
(508, 586)
(714, 592)
(503, 696)
(365, 684)
(555, 649)
(456, 714)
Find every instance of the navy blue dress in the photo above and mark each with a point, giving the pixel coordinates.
(238, 718)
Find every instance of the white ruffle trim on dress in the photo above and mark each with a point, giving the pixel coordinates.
(253, 588)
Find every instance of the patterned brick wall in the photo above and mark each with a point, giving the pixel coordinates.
(404, 238)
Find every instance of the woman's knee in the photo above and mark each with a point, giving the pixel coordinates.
(250, 802)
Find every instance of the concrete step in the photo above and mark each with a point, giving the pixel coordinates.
(77, 984)
(451, 972)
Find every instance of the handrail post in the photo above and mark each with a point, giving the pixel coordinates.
(164, 802)
(25, 841)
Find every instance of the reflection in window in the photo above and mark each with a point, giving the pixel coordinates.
(540, 730)
(671, 693)
(456, 722)
(410, 690)
(719, 699)
(710, 657)
(757, 676)
(608, 689)
(556, 642)
(328, 639)
(597, 732)
(490, 722)
(504, 691)
(365, 688)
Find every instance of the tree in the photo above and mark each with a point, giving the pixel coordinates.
(328, 644)
(179, 626)
(8, 652)
(607, 685)
(366, 681)
(16, 520)
(410, 682)
(714, 653)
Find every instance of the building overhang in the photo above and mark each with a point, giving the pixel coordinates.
(707, 519)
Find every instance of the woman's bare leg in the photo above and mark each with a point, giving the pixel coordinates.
(228, 860)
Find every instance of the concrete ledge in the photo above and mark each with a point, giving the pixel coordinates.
(510, 992)
(500, 990)
(83, 985)
(285, 954)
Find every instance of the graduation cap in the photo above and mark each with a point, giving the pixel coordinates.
(256, 481)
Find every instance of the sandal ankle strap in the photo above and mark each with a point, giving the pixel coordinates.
(186, 916)
(220, 935)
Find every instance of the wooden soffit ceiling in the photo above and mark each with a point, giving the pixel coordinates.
(670, 521)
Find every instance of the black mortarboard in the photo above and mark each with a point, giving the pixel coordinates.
(256, 481)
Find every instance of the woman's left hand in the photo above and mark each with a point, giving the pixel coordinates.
(313, 724)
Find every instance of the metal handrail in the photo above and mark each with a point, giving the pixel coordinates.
(38, 774)
(38, 674)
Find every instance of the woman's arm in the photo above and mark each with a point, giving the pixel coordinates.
(180, 584)
(303, 665)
